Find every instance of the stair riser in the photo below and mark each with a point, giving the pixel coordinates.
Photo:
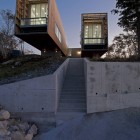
(72, 101)
(72, 105)
(73, 89)
(72, 110)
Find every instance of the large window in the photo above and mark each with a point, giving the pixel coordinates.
(39, 12)
(92, 33)
(57, 32)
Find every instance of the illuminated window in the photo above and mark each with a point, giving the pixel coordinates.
(38, 13)
(92, 33)
(57, 32)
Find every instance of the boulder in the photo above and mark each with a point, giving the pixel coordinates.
(4, 115)
(5, 138)
(3, 124)
(13, 128)
(8, 62)
(4, 132)
(29, 137)
(23, 126)
(17, 135)
(33, 130)
(18, 63)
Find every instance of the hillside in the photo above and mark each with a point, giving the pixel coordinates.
(28, 66)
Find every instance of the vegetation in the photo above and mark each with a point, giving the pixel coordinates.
(123, 46)
(129, 12)
(28, 63)
(7, 39)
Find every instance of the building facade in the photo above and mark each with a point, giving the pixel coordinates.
(74, 52)
(38, 23)
(94, 34)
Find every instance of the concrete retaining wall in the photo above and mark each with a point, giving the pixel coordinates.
(112, 85)
(38, 96)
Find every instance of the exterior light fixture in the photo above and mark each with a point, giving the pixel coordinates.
(79, 52)
(44, 50)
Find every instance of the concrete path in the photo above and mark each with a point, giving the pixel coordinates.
(116, 125)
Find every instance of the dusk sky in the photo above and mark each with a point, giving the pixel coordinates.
(71, 10)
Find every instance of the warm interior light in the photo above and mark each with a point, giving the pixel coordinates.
(79, 52)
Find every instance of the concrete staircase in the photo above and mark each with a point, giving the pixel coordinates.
(73, 95)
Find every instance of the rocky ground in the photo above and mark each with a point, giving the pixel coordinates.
(27, 67)
(15, 129)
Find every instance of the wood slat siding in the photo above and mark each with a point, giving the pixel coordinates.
(22, 11)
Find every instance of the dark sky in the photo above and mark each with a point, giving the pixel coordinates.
(70, 11)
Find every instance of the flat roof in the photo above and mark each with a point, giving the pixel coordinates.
(94, 15)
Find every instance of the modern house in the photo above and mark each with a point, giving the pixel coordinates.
(94, 34)
(38, 23)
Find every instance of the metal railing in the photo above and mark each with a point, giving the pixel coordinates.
(94, 41)
(33, 21)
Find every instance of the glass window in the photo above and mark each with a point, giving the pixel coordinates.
(38, 13)
(57, 32)
(43, 10)
(39, 10)
(33, 11)
(92, 33)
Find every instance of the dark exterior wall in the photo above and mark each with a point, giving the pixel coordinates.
(54, 18)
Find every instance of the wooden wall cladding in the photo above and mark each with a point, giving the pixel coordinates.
(54, 18)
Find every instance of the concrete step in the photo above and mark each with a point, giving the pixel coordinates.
(78, 83)
(72, 105)
(74, 89)
(74, 84)
(72, 110)
(73, 93)
(75, 77)
(72, 97)
(72, 101)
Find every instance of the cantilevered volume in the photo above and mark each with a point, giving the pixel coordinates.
(94, 34)
(38, 23)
